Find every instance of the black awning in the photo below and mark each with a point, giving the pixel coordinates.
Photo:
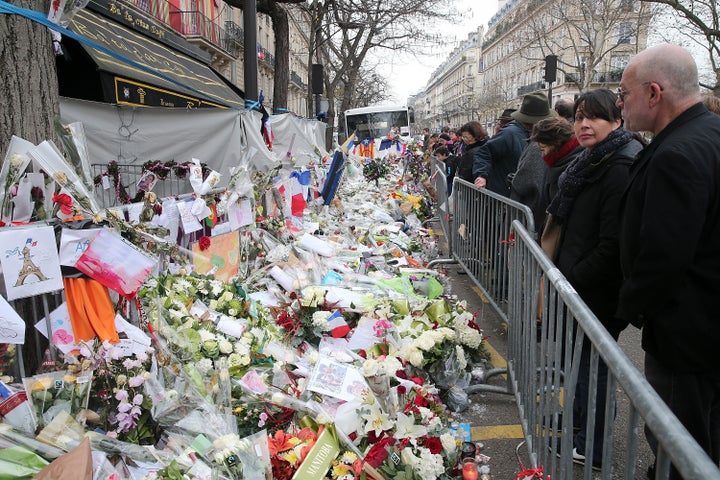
(188, 83)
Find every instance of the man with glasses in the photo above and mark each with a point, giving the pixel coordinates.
(670, 238)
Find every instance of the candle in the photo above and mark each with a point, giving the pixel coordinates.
(470, 471)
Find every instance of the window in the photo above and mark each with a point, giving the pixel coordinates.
(626, 33)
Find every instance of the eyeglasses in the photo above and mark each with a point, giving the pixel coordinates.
(623, 93)
(468, 138)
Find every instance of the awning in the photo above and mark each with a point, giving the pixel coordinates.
(177, 80)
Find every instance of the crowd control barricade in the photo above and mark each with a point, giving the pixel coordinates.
(480, 237)
(128, 176)
(543, 369)
(443, 216)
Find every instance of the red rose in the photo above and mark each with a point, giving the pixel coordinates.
(281, 469)
(401, 389)
(65, 201)
(419, 380)
(378, 453)
(433, 444)
(204, 243)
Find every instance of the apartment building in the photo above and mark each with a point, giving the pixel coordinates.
(592, 40)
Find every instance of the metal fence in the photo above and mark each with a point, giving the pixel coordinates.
(493, 239)
(543, 369)
(107, 190)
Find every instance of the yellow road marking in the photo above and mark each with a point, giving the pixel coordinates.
(480, 294)
(495, 432)
(496, 360)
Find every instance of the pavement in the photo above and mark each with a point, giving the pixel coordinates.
(494, 418)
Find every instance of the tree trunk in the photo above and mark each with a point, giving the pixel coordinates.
(281, 82)
(28, 80)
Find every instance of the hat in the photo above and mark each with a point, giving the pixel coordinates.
(534, 108)
(505, 115)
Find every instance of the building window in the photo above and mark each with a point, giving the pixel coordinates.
(626, 33)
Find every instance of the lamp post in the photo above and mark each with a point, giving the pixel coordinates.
(250, 60)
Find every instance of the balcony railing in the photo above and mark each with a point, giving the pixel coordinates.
(533, 87)
(612, 76)
(297, 80)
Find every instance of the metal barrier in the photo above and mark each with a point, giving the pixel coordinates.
(443, 215)
(129, 176)
(543, 369)
(481, 235)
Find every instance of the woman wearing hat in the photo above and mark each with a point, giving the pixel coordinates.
(581, 235)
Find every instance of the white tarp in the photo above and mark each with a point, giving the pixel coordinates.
(221, 138)
(309, 143)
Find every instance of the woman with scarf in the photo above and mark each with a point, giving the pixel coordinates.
(559, 147)
(473, 135)
(581, 236)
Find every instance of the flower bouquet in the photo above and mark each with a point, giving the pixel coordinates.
(55, 392)
(13, 168)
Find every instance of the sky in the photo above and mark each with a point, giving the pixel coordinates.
(408, 74)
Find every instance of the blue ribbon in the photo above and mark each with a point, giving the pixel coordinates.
(43, 20)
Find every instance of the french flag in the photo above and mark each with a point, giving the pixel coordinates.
(338, 326)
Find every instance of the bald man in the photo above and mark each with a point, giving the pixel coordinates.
(670, 238)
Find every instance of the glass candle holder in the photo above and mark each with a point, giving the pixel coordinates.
(470, 470)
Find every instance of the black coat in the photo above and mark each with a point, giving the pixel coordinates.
(499, 157)
(670, 243)
(461, 166)
(588, 254)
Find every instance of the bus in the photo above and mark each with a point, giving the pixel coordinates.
(376, 122)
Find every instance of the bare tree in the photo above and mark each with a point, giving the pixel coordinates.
(694, 23)
(586, 35)
(28, 80)
(353, 28)
(371, 88)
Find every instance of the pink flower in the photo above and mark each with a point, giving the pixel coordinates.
(121, 395)
(136, 381)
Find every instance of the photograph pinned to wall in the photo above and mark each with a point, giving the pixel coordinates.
(147, 182)
(116, 263)
(12, 327)
(222, 256)
(62, 335)
(30, 262)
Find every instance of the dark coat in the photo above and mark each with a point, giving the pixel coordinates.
(499, 157)
(462, 165)
(588, 254)
(670, 243)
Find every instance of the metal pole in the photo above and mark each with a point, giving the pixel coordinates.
(250, 60)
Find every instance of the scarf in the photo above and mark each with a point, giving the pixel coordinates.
(580, 172)
(568, 147)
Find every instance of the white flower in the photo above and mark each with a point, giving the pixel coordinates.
(206, 335)
(460, 353)
(470, 337)
(204, 365)
(449, 443)
(405, 427)
(320, 318)
(377, 421)
(425, 342)
(391, 365)
(242, 348)
(429, 466)
(225, 347)
(227, 296)
(370, 367)
(16, 160)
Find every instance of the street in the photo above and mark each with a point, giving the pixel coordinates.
(493, 417)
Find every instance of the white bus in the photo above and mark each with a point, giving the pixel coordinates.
(376, 122)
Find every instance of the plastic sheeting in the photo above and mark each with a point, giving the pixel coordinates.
(220, 138)
(309, 143)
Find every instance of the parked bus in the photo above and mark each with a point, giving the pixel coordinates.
(376, 122)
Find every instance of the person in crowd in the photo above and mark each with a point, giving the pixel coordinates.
(581, 236)
(443, 154)
(564, 108)
(455, 142)
(670, 238)
(499, 156)
(443, 139)
(474, 136)
(504, 119)
(426, 138)
(555, 138)
(711, 102)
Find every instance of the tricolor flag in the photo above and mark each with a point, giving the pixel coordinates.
(338, 326)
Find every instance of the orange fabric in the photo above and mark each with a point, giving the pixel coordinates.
(91, 311)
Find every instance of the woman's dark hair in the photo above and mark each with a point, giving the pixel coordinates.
(554, 131)
(475, 129)
(600, 103)
(442, 151)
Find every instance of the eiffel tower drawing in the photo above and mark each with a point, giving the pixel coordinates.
(28, 268)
